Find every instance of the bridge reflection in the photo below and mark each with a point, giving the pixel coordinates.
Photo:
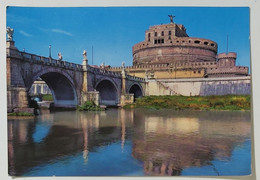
(164, 141)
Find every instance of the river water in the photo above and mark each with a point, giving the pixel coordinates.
(136, 142)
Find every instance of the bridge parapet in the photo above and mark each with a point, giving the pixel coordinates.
(104, 72)
(135, 78)
(49, 61)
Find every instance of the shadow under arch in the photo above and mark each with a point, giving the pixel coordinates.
(62, 89)
(108, 92)
(136, 89)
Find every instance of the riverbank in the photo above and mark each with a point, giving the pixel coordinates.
(225, 102)
(25, 115)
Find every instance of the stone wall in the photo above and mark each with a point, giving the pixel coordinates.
(203, 86)
(157, 88)
(126, 99)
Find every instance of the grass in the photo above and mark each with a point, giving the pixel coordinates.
(89, 106)
(47, 97)
(20, 114)
(225, 102)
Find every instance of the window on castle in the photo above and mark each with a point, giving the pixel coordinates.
(158, 41)
(206, 43)
(197, 42)
(149, 39)
(162, 33)
(155, 34)
(199, 72)
(169, 37)
(149, 35)
(169, 33)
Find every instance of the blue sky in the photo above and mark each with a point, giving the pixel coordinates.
(112, 31)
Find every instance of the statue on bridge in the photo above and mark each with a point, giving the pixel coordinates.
(123, 64)
(85, 60)
(102, 65)
(84, 54)
(123, 69)
(60, 56)
(10, 33)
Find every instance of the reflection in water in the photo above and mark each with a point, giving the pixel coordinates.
(167, 145)
(129, 142)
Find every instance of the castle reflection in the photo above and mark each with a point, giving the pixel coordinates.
(166, 142)
(167, 145)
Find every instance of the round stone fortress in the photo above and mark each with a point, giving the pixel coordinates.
(169, 53)
(169, 43)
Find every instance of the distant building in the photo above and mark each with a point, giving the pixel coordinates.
(39, 87)
(169, 53)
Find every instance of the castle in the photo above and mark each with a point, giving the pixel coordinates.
(169, 53)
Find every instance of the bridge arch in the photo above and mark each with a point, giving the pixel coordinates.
(136, 89)
(108, 92)
(61, 85)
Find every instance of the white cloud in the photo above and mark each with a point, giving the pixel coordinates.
(61, 32)
(24, 33)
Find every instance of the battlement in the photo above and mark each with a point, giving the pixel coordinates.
(232, 55)
(184, 65)
(236, 70)
(172, 30)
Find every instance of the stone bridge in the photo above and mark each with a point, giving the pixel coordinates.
(71, 84)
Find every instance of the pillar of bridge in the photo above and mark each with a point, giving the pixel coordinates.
(84, 66)
(125, 98)
(84, 92)
(17, 97)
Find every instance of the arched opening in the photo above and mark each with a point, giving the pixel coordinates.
(136, 90)
(59, 86)
(107, 93)
(40, 91)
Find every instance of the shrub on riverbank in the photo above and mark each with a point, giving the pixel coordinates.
(225, 102)
(47, 97)
(20, 114)
(89, 106)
